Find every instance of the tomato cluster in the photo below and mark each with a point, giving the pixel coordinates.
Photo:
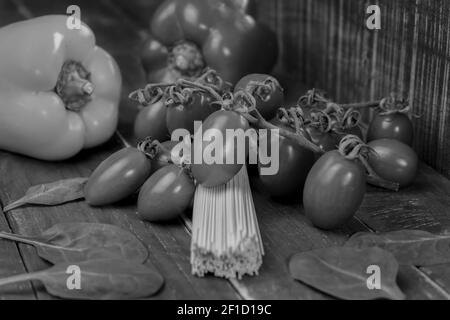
(323, 159)
(335, 186)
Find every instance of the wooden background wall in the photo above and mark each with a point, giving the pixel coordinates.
(325, 44)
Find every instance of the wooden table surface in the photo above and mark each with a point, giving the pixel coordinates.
(120, 28)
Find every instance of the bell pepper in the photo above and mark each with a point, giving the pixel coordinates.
(189, 35)
(59, 91)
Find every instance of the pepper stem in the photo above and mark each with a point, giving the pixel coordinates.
(74, 85)
(187, 59)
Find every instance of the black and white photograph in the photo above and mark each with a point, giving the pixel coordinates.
(224, 155)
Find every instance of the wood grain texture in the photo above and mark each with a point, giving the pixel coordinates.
(11, 263)
(325, 44)
(10, 259)
(423, 206)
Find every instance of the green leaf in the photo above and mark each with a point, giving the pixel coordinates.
(344, 272)
(99, 280)
(74, 242)
(411, 247)
(51, 194)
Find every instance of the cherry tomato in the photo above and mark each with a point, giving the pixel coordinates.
(183, 116)
(166, 194)
(266, 90)
(214, 174)
(294, 165)
(396, 126)
(394, 161)
(334, 190)
(151, 122)
(117, 177)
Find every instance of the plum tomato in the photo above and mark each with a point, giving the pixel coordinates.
(151, 122)
(217, 173)
(396, 126)
(117, 177)
(182, 115)
(266, 90)
(334, 190)
(294, 165)
(166, 194)
(394, 161)
(327, 141)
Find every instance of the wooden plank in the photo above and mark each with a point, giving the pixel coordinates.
(10, 260)
(168, 244)
(11, 264)
(425, 206)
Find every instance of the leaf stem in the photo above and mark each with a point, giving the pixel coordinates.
(31, 241)
(395, 293)
(14, 205)
(18, 238)
(21, 278)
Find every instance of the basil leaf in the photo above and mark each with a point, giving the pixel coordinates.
(74, 242)
(51, 194)
(98, 280)
(348, 273)
(412, 247)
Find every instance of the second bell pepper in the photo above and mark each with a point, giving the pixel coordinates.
(59, 91)
(189, 35)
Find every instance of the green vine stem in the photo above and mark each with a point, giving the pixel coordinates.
(264, 89)
(374, 179)
(150, 94)
(151, 148)
(212, 79)
(245, 104)
(299, 138)
(322, 121)
(390, 104)
(352, 147)
(361, 105)
(205, 88)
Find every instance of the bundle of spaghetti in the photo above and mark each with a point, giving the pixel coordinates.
(226, 240)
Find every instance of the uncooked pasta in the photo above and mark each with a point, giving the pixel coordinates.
(226, 240)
